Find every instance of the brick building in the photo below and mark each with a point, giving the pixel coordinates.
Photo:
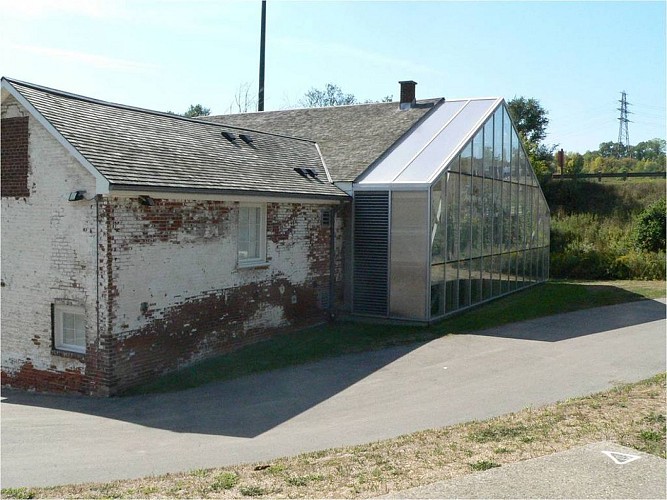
(136, 242)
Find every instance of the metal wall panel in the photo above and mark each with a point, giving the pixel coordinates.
(410, 254)
(371, 252)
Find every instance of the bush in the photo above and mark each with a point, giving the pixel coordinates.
(649, 234)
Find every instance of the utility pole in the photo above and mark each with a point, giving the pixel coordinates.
(623, 135)
(262, 49)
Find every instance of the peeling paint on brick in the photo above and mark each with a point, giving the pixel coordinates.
(159, 284)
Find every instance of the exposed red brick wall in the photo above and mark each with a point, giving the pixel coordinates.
(28, 377)
(14, 159)
(203, 321)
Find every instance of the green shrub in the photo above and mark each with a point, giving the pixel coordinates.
(225, 481)
(649, 234)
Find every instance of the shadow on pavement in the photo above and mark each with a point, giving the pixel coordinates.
(244, 407)
(581, 323)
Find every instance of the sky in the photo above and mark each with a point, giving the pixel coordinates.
(574, 57)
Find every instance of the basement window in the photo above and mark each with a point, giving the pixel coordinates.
(69, 328)
(252, 235)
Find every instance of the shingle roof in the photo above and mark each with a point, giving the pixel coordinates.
(142, 149)
(350, 138)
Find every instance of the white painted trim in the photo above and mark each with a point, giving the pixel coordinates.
(393, 186)
(324, 164)
(231, 198)
(261, 259)
(59, 310)
(101, 183)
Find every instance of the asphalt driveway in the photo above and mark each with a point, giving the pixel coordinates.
(48, 440)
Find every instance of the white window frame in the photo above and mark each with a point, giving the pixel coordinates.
(260, 234)
(59, 312)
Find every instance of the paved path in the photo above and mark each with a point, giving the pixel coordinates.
(597, 470)
(49, 440)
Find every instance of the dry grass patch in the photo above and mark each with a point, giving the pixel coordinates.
(631, 415)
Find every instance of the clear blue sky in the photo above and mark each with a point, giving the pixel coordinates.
(575, 57)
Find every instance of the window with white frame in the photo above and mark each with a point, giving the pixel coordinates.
(69, 328)
(252, 234)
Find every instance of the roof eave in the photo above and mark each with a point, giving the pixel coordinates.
(101, 182)
(139, 188)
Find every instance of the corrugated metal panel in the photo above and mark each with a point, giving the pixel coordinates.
(371, 252)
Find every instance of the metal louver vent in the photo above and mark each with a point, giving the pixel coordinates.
(371, 252)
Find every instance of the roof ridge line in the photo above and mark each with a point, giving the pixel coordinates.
(92, 100)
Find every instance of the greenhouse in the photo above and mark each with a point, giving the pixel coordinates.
(452, 217)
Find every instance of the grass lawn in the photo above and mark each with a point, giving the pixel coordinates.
(348, 337)
(631, 415)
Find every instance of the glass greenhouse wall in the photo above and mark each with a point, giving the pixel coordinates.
(469, 225)
(489, 222)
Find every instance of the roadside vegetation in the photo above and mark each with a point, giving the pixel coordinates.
(631, 415)
(610, 230)
(343, 337)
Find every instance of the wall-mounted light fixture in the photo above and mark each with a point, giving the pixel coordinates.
(76, 196)
(144, 199)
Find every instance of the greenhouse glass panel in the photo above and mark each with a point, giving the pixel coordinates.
(476, 281)
(437, 290)
(507, 216)
(466, 159)
(478, 154)
(451, 287)
(437, 223)
(488, 149)
(465, 216)
(497, 217)
(428, 162)
(489, 217)
(477, 206)
(464, 283)
(500, 161)
(452, 231)
(510, 144)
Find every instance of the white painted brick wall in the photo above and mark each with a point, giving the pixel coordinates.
(48, 252)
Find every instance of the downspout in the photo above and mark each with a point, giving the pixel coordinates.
(332, 262)
(97, 274)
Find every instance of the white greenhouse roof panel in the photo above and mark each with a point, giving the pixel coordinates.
(422, 155)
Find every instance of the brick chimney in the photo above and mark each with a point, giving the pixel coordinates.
(407, 94)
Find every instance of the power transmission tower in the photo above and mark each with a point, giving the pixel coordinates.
(623, 134)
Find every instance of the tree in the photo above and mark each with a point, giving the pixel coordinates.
(244, 101)
(332, 95)
(653, 149)
(650, 227)
(531, 121)
(530, 118)
(196, 110)
(574, 163)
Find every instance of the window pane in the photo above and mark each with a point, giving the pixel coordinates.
(250, 233)
(74, 329)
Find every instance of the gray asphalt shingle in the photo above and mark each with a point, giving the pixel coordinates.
(136, 148)
(350, 138)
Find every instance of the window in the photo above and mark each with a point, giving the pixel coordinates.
(252, 235)
(69, 328)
